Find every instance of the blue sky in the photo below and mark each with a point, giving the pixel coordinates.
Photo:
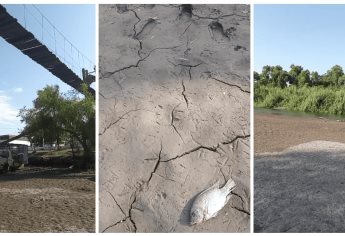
(21, 77)
(312, 36)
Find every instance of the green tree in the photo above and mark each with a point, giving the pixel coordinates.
(42, 121)
(332, 76)
(314, 78)
(341, 81)
(294, 73)
(266, 72)
(78, 119)
(256, 76)
(303, 79)
(55, 114)
(280, 77)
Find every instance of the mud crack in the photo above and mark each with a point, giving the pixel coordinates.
(232, 85)
(187, 65)
(185, 30)
(118, 205)
(136, 33)
(116, 223)
(116, 121)
(156, 165)
(184, 93)
(212, 149)
(243, 208)
(219, 17)
(120, 221)
(130, 212)
(190, 68)
(108, 74)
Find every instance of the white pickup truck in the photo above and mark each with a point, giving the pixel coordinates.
(7, 162)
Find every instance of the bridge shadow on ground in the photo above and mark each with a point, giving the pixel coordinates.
(299, 191)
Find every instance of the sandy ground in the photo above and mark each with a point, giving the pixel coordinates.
(299, 189)
(274, 133)
(174, 115)
(47, 200)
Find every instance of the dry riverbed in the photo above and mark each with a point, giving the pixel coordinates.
(298, 174)
(275, 132)
(44, 199)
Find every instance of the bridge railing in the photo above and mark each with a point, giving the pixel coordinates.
(32, 19)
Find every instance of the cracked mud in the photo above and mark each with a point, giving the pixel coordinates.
(174, 115)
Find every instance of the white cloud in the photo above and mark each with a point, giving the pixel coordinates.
(8, 114)
(18, 90)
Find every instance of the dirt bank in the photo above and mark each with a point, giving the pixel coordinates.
(277, 132)
(42, 199)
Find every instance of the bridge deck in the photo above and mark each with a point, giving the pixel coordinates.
(26, 42)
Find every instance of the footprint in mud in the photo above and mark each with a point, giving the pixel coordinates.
(147, 29)
(218, 33)
(230, 32)
(121, 8)
(238, 47)
(162, 195)
(186, 11)
(149, 6)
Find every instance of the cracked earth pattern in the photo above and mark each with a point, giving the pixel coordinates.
(174, 115)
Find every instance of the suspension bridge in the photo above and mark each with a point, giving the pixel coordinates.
(61, 58)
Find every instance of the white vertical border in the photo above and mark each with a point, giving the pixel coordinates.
(97, 123)
(251, 117)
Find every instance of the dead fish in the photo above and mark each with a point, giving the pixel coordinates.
(210, 201)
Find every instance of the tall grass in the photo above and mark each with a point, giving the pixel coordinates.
(330, 100)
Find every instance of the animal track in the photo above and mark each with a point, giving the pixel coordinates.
(149, 6)
(121, 8)
(238, 47)
(186, 11)
(230, 32)
(147, 29)
(218, 32)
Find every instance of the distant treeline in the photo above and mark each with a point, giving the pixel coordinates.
(300, 90)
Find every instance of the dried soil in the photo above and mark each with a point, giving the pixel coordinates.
(174, 115)
(42, 199)
(298, 174)
(273, 133)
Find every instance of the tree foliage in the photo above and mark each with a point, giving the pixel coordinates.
(301, 90)
(55, 116)
(277, 77)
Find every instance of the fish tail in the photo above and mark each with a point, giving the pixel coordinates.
(229, 186)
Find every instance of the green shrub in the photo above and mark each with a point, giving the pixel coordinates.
(317, 99)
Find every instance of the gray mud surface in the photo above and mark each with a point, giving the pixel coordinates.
(301, 189)
(174, 115)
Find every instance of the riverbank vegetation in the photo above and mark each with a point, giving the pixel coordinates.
(300, 90)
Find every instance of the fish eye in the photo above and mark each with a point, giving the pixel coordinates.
(193, 213)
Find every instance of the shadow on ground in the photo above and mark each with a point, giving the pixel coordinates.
(46, 173)
(301, 189)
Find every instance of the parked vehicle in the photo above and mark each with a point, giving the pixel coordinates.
(7, 162)
(13, 152)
